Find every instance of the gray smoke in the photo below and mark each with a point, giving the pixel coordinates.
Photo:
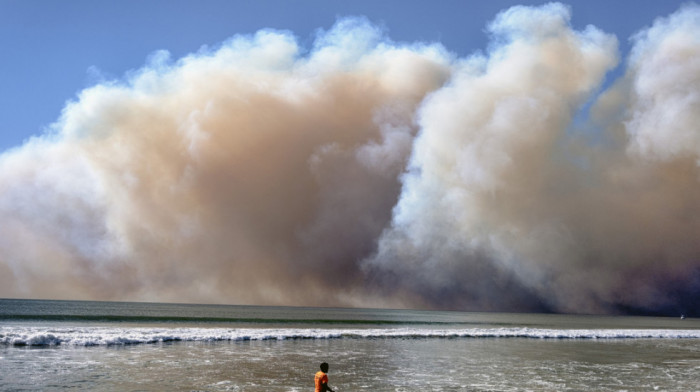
(506, 204)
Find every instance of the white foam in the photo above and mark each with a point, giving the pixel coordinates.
(110, 336)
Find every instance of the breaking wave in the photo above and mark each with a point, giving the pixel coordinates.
(108, 336)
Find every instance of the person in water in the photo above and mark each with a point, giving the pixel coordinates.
(321, 379)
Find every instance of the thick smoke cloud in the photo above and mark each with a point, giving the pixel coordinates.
(365, 172)
(250, 174)
(480, 218)
(506, 204)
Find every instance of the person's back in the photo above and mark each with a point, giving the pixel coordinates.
(321, 379)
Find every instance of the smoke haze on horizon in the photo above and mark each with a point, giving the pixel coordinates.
(366, 172)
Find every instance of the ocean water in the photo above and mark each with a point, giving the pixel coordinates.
(110, 346)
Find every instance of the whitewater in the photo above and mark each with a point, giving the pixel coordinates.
(108, 336)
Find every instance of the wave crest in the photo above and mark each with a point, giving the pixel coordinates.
(107, 336)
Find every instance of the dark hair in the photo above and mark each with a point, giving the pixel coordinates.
(324, 367)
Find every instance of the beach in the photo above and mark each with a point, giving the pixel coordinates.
(98, 346)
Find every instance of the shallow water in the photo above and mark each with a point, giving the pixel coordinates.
(361, 364)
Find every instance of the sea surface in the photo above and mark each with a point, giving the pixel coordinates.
(117, 346)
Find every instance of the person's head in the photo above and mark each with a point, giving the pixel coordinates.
(324, 367)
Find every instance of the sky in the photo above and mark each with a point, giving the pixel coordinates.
(53, 50)
(502, 156)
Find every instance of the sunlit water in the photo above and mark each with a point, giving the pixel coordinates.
(191, 348)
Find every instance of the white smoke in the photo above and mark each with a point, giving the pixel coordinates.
(503, 203)
(367, 172)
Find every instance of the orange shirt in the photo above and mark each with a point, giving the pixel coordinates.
(320, 379)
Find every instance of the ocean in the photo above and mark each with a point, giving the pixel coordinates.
(117, 346)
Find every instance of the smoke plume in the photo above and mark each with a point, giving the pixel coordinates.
(365, 172)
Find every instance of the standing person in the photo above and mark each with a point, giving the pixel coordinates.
(321, 379)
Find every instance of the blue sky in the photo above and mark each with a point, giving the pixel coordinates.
(54, 49)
